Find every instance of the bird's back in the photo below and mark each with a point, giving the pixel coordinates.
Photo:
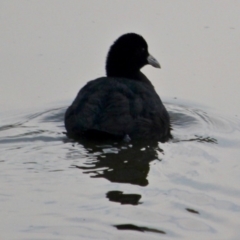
(119, 107)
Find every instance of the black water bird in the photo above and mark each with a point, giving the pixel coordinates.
(123, 105)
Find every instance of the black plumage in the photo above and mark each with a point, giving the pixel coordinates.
(124, 104)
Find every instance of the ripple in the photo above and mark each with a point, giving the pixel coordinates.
(179, 188)
(190, 124)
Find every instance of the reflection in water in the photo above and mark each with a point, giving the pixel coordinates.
(192, 210)
(137, 228)
(118, 196)
(199, 139)
(121, 162)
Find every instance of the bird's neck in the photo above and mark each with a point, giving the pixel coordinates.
(136, 75)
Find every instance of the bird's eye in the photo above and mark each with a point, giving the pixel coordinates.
(143, 49)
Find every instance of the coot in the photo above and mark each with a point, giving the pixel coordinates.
(123, 105)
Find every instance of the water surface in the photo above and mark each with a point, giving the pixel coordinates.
(55, 188)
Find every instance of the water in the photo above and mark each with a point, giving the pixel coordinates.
(55, 188)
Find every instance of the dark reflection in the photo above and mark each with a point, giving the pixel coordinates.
(120, 162)
(118, 196)
(200, 139)
(192, 210)
(137, 228)
(203, 139)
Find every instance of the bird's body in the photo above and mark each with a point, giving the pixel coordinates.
(123, 104)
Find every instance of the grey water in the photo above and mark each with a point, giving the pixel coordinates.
(55, 188)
